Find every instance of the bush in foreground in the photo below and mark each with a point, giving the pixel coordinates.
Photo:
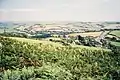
(24, 61)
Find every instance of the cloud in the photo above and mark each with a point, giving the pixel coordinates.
(106, 0)
(6, 10)
(76, 10)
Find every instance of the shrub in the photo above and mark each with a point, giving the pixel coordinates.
(24, 61)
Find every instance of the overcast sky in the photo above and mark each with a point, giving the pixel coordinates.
(59, 10)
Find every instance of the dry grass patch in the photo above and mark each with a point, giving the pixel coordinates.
(94, 34)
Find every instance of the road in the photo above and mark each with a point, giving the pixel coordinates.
(102, 35)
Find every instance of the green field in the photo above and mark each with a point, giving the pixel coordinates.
(116, 33)
(10, 29)
(1, 30)
(115, 43)
(94, 34)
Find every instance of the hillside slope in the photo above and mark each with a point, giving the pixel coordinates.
(53, 44)
(25, 61)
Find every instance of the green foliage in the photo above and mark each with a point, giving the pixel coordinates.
(14, 35)
(31, 73)
(43, 35)
(63, 42)
(24, 61)
(87, 41)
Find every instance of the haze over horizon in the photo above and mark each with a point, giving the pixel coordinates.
(59, 10)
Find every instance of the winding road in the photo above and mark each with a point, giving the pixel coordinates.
(102, 35)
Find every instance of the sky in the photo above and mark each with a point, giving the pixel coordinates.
(60, 10)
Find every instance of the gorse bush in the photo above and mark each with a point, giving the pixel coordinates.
(41, 73)
(25, 61)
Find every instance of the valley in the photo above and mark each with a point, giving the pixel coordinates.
(60, 51)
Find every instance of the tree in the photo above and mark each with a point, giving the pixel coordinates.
(80, 38)
(113, 39)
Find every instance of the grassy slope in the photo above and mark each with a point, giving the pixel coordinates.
(32, 41)
(115, 43)
(46, 42)
(117, 33)
(77, 63)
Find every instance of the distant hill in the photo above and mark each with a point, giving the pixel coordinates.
(58, 27)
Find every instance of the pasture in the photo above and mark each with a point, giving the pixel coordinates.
(116, 33)
(94, 34)
(115, 43)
